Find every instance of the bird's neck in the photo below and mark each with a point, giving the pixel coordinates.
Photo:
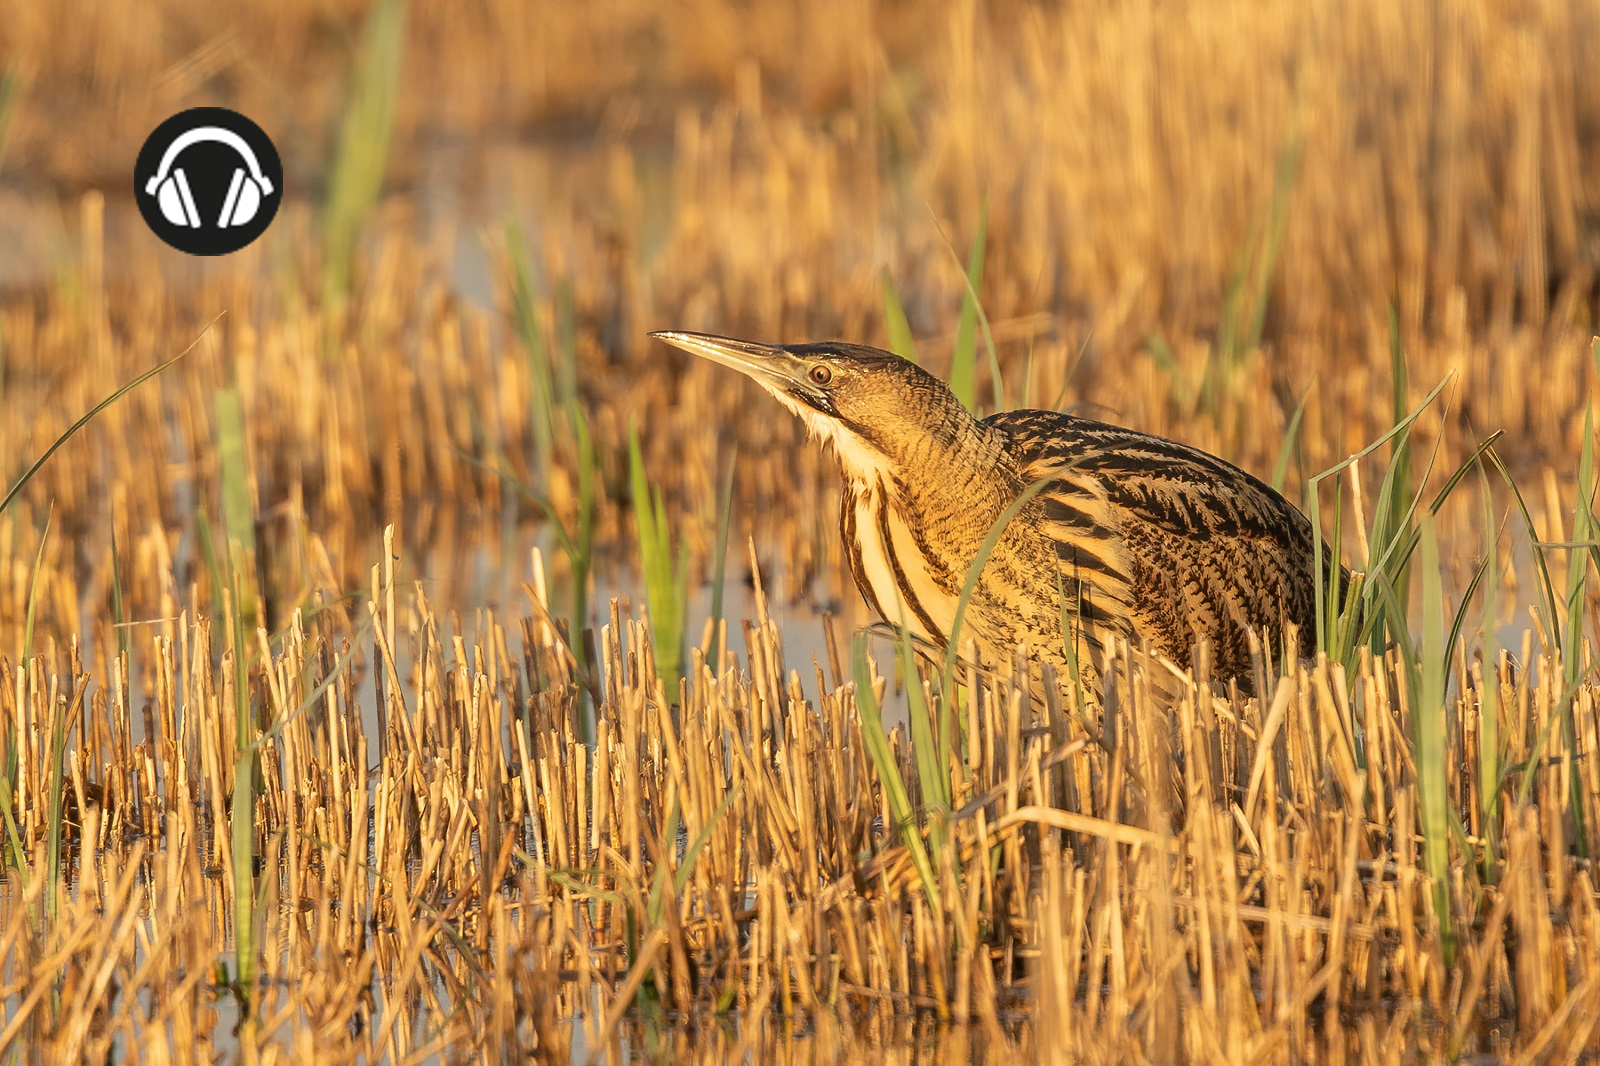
(960, 468)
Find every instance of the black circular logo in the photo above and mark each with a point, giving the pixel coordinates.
(208, 181)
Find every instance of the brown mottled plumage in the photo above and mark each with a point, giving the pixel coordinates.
(1148, 540)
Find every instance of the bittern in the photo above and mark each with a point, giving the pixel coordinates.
(1122, 534)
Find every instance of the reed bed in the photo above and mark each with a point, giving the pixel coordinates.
(460, 875)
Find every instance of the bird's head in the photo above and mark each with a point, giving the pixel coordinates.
(872, 406)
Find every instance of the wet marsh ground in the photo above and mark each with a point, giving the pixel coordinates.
(364, 696)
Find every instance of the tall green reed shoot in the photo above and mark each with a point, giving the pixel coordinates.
(238, 522)
(1291, 437)
(19, 854)
(894, 786)
(1246, 295)
(557, 419)
(362, 153)
(238, 510)
(1583, 545)
(564, 311)
(575, 542)
(580, 556)
(10, 94)
(895, 323)
(60, 724)
(1397, 495)
(1427, 669)
(1347, 616)
(666, 573)
(975, 571)
(720, 571)
(1489, 756)
(540, 382)
(964, 362)
(1249, 287)
(56, 780)
(929, 746)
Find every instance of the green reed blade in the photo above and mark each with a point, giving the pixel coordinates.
(877, 742)
(1489, 694)
(21, 483)
(964, 362)
(1431, 726)
(1280, 468)
(895, 322)
(540, 384)
(719, 572)
(362, 154)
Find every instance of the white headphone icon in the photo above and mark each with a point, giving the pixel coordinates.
(171, 190)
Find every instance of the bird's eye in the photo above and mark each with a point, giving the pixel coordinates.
(821, 375)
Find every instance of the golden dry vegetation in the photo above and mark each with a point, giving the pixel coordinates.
(474, 820)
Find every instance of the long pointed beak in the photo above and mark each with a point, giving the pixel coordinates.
(767, 364)
(777, 369)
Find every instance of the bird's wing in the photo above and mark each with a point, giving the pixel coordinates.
(1189, 544)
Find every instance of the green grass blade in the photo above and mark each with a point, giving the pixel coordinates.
(975, 569)
(238, 513)
(10, 94)
(1397, 552)
(18, 854)
(665, 577)
(565, 539)
(1489, 694)
(119, 614)
(928, 748)
(1280, 468)
(1583, 530)
(22, 482)
(1547, 589)
(963, 364)
(719, 572)
(1431, 726)
(60, 718)
(580, 554)
(701, 839)
(1402, 500)
(314, 697)
(1459, 620)
(1578, 565)
(1380, 542)
(362, 154)
(877, 742)
(1071, 614)
(224, 582)
(1283, 183)
(663, 873)
(895, 322)
(1390, 434)
(540, 384)
(239, 527)
(242, 813)
(53, 852)
(566, 327)
(33, 591)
